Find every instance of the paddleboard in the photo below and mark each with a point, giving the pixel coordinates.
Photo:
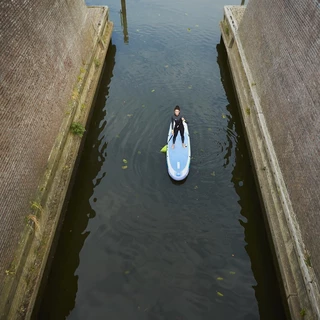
(178, 159)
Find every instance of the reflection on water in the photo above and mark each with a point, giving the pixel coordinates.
(135, 245)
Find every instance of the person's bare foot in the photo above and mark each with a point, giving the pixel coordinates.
(172, 146)
(183, 145)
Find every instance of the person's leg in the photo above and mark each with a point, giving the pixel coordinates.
(182, 134)
(175, 133)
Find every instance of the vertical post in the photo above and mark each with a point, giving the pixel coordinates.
(124, 22)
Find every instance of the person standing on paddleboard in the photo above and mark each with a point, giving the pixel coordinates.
(177, 126)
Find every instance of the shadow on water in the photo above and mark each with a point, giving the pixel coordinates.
(252, 220)
(73, 235)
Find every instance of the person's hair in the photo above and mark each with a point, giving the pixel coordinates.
(176, 108)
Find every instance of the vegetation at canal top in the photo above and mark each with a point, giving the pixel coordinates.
(303, 313)
(34, 219)
(226, 28)
(12, 270)
(77, 129)
(36, 206)
(96, 62)
(307, 260)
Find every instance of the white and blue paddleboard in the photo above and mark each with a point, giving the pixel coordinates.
(178, 159)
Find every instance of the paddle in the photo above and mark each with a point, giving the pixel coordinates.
(165, 148)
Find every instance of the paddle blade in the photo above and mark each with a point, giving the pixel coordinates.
(164, 149)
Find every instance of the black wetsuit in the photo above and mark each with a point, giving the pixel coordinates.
(177, 125)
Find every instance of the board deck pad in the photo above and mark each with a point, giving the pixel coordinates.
(178, 159)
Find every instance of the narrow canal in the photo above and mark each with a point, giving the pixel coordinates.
(134, 244)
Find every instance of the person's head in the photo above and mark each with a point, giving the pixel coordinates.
(176, 110)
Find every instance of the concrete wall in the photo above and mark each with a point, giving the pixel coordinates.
(43, 45)
(282, 46)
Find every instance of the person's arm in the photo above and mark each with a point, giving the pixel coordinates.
(172, 123)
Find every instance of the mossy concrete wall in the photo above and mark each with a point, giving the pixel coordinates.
(274, 49)
(52, 53)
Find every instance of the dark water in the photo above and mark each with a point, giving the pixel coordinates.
(134, 244)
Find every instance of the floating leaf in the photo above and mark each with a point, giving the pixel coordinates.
(153, 90)
(189, 29)
(213, 173)
(166, 66)
(186, 14)
(125, 161)
(117, 136)
(129, 115)
(124, 167)
(201, 150)
(232, 272)
(219, 294)
(196, 187)
(138, 30)
(126, 272)
(143, 106)
(139, 152)
(190, 87)
(197, 26)
(219, 278)
(224, 116)
(209, 129)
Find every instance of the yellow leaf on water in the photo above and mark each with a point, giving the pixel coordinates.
(190, 87)
(166, 66)
(129, 115)
(197, 26)
(139, 152)
(153, 90)
(196, 187)
(224, 116)
(127, 272)
(232, 272)
(213, 173)
(189, 29)
(125, 161)
(124, 167)
(209, 129)
(219, 278)
(219, 294)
